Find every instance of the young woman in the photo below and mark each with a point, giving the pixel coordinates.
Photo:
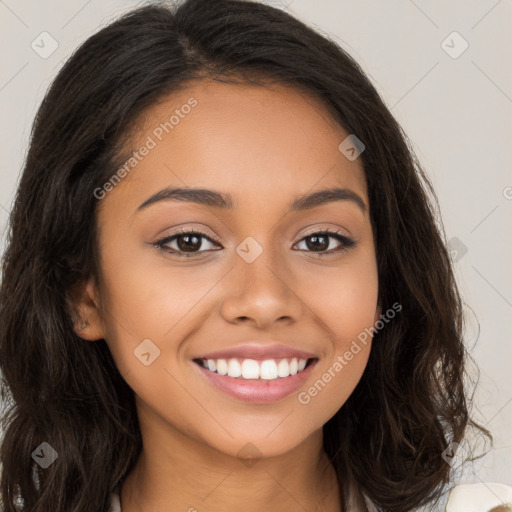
(225, 287)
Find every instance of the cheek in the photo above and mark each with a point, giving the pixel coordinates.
(145, 294)
(149, 299)
(345, 302)
(345, 298)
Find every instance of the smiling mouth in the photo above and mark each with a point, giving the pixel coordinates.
(252, 369)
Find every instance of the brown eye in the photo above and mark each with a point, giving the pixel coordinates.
(188, 243)
(319, 242)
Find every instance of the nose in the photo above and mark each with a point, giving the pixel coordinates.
(261, 292)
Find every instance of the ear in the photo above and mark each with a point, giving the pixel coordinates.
(85, 304)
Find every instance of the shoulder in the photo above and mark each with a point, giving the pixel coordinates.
(473, 497)
(480, 497)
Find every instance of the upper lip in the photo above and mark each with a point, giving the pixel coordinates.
(258, 351)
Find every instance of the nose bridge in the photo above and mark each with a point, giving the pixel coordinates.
(260, 287)
(258, 266)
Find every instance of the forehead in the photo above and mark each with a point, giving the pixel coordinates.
(255, 142)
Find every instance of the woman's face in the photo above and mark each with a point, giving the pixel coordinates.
(263, 282)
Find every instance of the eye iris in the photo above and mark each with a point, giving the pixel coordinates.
(196, 242)
(315, 245)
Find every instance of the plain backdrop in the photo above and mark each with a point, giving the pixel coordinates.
(443, 68)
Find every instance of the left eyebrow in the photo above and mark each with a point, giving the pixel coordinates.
(216, 199)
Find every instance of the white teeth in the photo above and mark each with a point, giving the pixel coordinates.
(294, 366)
(268, 370)
(222, 367)
(252, 369)
(234, 368)
(283, 368)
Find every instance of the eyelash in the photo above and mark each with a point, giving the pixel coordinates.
(346, 242)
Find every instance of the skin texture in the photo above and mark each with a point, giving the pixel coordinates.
(265, 146)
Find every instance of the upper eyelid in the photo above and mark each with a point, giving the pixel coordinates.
(330, 231)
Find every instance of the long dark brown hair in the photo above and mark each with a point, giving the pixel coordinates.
(386, 442)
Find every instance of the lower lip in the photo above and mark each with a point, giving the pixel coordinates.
(258, 391)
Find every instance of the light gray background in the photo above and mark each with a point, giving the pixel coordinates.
(456, 111)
